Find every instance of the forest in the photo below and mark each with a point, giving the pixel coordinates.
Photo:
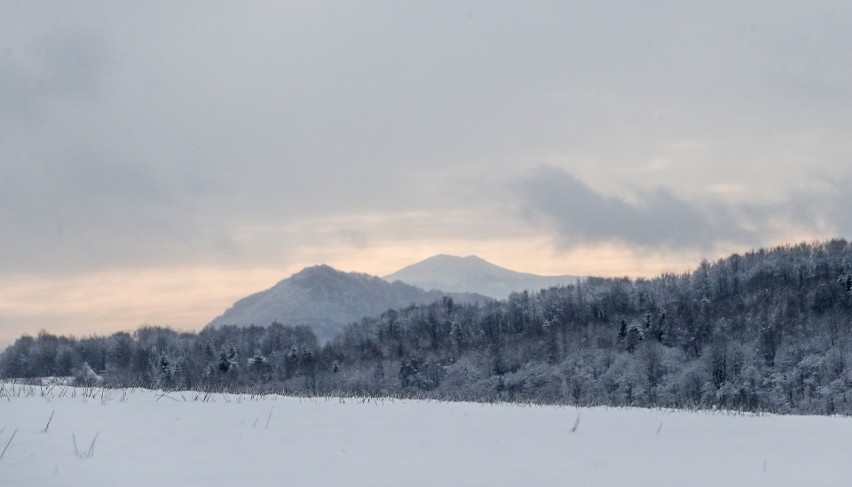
(766, 331)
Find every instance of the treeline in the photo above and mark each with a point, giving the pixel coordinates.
(221, 358)
(770, 330)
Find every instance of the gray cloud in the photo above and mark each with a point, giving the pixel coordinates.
(577, 213)
(822, 210)
(155, 133)
(66, 64)
(658, 218)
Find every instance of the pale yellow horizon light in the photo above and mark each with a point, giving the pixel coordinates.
(187, 298)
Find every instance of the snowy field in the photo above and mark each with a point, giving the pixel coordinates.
(141, 437)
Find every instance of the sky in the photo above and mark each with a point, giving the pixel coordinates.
(160, 160)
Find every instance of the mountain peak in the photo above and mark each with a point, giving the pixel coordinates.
(316, 270)
(472, 274)
(327, 300)
(453, 258)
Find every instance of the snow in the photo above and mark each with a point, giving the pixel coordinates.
(147, 438)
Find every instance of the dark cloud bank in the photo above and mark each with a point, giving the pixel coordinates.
(577, 213)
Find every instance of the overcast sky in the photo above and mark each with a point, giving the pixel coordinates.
(159, 160)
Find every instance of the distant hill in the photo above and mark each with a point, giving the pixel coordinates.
(327, 300)
(472, 274)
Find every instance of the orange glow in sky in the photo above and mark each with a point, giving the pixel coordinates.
(189, 297)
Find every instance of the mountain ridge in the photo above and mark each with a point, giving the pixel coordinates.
(327, 300)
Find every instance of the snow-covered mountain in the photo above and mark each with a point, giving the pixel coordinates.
(472, 274)
(327, 300)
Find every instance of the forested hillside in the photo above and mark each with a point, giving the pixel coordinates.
(327, 301)
(770, 330)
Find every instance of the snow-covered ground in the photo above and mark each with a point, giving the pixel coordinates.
(235, 440)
